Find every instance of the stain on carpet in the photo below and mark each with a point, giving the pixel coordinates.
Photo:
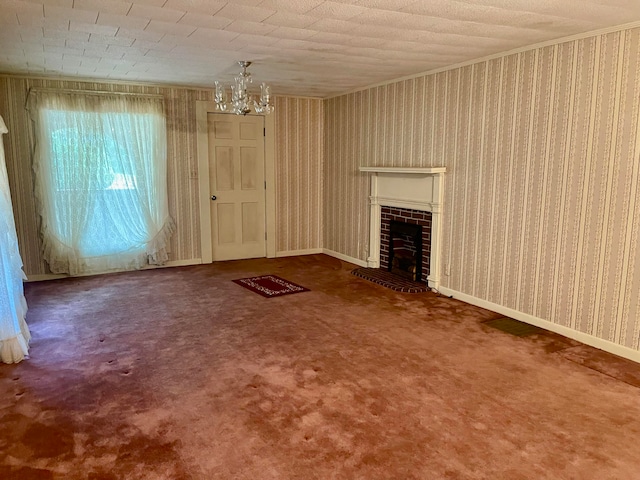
(178, 374)
(552, 342)
(24, 473)
(38, 438)
(513, 327)
(605, 363)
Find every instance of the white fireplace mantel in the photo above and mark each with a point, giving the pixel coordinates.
(416, 188)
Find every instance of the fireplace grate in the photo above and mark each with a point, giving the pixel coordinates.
(405, 249)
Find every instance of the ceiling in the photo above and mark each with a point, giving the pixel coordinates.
(302, 47)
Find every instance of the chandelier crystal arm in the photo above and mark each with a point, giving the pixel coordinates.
(263, 105)
(221, 97)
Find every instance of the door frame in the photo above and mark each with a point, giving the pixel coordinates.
(203, 108)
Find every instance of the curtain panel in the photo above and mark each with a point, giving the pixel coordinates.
(14, 333)
(101, 180)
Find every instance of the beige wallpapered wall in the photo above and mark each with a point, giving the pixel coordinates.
(542, 198)
(291, 145)
(299, 173)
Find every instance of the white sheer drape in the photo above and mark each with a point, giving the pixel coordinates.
(101, 180)
(14, 333)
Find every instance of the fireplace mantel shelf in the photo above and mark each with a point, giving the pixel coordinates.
(405, 170)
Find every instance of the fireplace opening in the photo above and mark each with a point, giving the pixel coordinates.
(410, 249)
(405, 250)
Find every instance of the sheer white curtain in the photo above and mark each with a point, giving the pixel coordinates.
(14, 333)
(101, 180)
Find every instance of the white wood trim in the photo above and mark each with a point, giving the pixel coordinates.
(514, 51)
(197, 88)
(344, 258)
(57, 276)
(202, 130)
(405, 170)
(45, 276)
(176, 263)
(295, 253)
(428, 198)
(210, 88)
(270, 179)
(585, 338)
(204, 107)
(422, 206)
(433, 279)
(373, 260)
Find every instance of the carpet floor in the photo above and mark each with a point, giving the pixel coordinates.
(180, 374)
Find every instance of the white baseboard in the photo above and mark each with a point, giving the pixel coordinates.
(585, 338)
(295, 253)
(45, 276)
(55, 276)
(176, 263)
(345, 258)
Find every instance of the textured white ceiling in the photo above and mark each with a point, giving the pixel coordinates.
(302, 47)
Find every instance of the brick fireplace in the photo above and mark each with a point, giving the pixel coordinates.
(405, 216)
(411, 195)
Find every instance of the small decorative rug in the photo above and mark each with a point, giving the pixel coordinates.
(270, 286)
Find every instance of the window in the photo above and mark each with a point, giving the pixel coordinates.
(100, 168)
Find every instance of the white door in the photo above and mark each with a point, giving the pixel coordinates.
(236, 169)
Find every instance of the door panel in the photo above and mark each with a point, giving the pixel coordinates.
(250, 219)
(247, 131)
(223, 129)
(226, 216)
(236, 166)
(224, 169)
(248, 168)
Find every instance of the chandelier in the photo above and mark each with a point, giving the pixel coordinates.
(241, 102)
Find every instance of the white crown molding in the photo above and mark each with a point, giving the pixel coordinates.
(578, 36)
(526, 48)
(202, 88)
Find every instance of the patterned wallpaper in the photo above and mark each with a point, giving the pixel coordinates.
(292, 164)
(542, 195)
(299, 173)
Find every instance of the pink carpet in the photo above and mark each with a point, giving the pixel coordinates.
(179, 374)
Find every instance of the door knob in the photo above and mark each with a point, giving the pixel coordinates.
(213, 197)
